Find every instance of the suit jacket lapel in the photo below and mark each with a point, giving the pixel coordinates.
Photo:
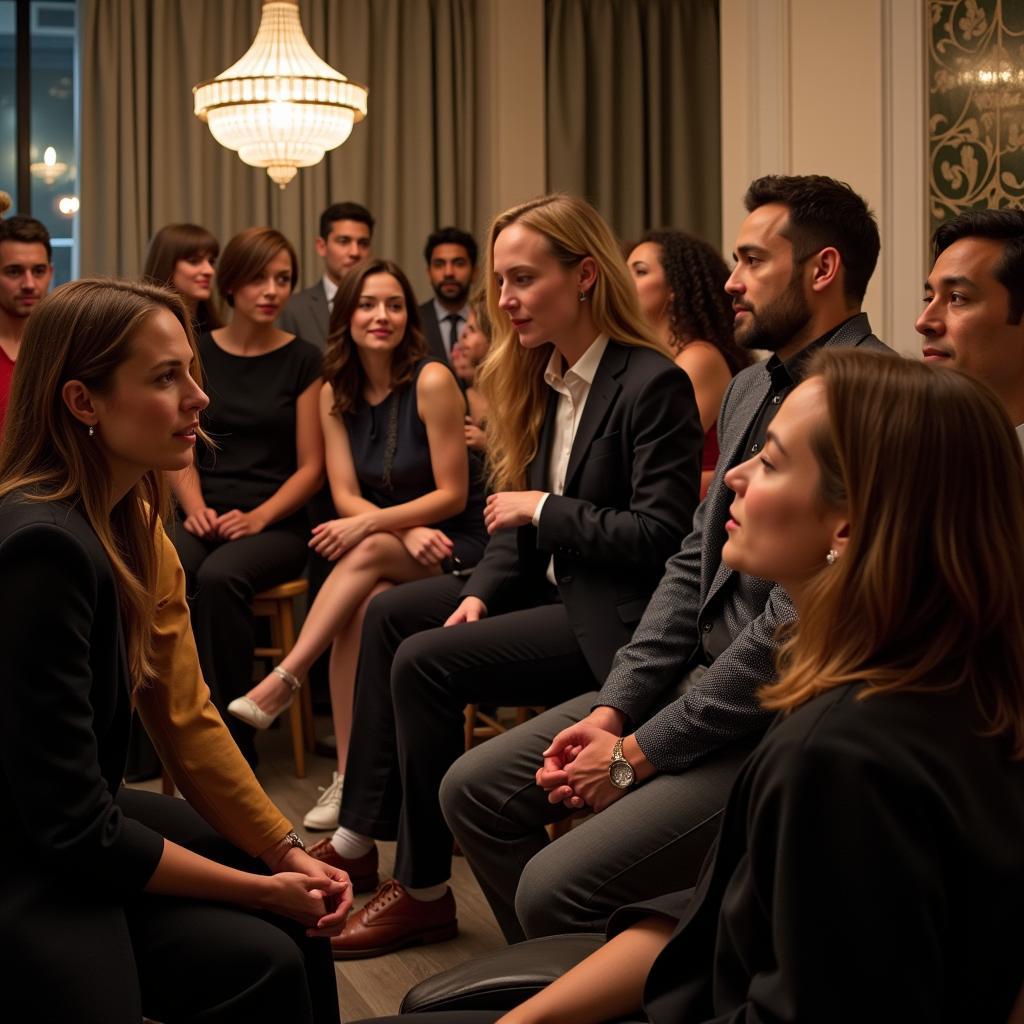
(602, 395)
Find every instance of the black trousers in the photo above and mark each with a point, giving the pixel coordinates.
(221, 579)
(413, 682)
(111, 961)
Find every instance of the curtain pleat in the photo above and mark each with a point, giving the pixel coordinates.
(633, 111)
(146, 161)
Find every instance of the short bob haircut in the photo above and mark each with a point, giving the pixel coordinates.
(246, 256)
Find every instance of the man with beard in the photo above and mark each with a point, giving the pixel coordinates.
(25, 273)
(678, 712)
(451, 264)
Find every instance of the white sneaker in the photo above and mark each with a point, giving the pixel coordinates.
(324, 814)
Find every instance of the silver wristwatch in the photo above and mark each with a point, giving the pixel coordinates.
(293, 840)
(620, 771)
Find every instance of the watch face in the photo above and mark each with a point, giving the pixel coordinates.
(621, 774)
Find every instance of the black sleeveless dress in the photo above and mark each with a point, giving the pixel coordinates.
(392, 461)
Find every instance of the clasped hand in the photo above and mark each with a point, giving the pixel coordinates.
(332, 539)
(205, 522)
(575, 768)
(427, 545)
(313, 893)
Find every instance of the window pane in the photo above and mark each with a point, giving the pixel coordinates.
(8, 102)
(52, 149)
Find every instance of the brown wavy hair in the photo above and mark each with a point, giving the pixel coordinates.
(512, 377)
(174, 242)
(84, 331)
(342, 367)
(929, 593)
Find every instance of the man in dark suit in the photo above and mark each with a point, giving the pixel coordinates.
(451, 265)
(974, 303)
(677, 712)
(346, 231)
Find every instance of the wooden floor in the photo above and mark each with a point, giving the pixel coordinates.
(368, 988)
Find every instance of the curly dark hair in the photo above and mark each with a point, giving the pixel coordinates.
(342, 368)
(699, 307)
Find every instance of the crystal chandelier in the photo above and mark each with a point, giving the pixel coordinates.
(280, 106)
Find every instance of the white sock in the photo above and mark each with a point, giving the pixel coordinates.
(427, 894)
(350, 844)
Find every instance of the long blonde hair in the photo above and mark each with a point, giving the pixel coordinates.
(83, 331)
(512, 377)
(929, 592)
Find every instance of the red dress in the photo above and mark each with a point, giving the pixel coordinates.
(6, 375)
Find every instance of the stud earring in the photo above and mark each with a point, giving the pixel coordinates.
(832, 556)
(92, 430)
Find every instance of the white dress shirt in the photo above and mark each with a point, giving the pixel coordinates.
(330, 290)
(573, 389)
(444, 324)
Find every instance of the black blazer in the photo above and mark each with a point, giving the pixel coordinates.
(65, 710)
(630, 491)
(432, 331)
(869, 867)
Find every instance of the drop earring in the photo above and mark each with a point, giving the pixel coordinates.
(92, 430)
(583, 296)
(832, 556)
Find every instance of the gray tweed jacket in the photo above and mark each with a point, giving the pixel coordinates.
(696, 590)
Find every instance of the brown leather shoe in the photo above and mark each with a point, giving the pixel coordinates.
(393, 920)
(362, 871)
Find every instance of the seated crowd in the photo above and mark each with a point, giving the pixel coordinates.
(772, 614)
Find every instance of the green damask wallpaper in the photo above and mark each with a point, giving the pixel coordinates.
(975, 105)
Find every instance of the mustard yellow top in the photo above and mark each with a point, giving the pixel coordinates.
(188, 732)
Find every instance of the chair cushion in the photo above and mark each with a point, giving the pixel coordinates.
(503, 979)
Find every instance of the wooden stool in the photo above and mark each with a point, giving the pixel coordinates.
(276, 605)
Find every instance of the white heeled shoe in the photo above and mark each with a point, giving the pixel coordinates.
(252, 714)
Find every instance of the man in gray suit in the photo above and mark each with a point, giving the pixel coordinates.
(451, 264)
(346, 230)
(655, 751)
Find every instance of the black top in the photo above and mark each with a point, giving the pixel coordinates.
(251, 417)
(391, 454)
(869, 867)
(65, 709)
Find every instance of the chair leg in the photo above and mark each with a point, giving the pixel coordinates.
(286, 641)
(470, 725)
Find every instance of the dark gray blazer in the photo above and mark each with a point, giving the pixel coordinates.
(307, 316)
(432, 331)
(675, 731)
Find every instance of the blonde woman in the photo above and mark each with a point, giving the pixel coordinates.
(594, 447)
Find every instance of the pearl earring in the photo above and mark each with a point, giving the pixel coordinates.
(92, 430)
(832, 556)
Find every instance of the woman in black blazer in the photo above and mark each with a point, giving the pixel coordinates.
(869, 865)
(594, 448)
(102, 916)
